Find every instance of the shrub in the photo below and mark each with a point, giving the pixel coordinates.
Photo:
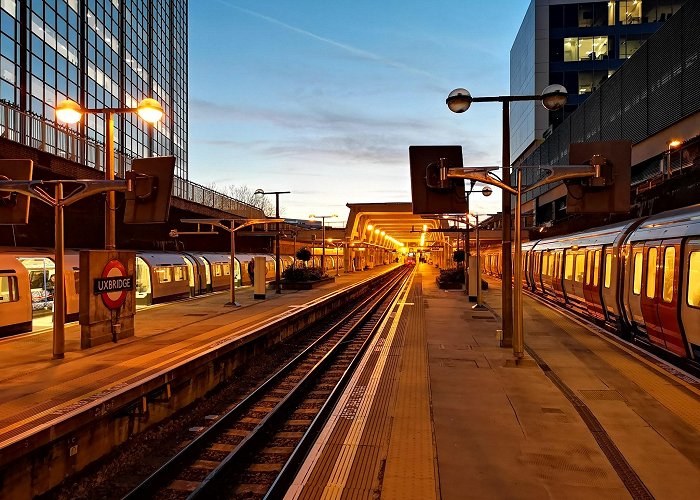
(294, 273)
(451, 276)
(458, 256)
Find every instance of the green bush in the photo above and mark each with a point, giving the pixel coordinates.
(304, 255)
(294, 273)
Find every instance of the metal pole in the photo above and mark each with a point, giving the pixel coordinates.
(506, 249)
(277, 245)
(323, 246)
(336, 260)
(467, 250)
(110, 215)
(518, 340)
(59, 296)
(478, 265)
(232, 294)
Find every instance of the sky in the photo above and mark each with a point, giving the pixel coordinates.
(323, 98)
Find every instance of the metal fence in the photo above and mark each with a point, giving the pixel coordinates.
(39, 133)
(658, 86)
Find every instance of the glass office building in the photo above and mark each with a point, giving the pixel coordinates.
(101, 53)
(578, 45)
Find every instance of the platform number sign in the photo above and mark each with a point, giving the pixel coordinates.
(113, 284)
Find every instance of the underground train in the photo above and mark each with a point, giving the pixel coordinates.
(27, 277)
(640, 276)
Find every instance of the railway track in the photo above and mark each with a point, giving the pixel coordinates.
(247, 451)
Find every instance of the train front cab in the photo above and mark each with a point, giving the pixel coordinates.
(15, 298)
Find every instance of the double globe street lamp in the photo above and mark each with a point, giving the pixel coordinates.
(260, 193)
(69, 111)
(553, 98)
(323, 236)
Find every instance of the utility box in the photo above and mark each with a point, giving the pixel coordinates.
(473, 278)
(107, 296)
(259, 281)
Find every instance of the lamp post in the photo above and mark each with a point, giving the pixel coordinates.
(261, 193)
(70, 112)
(231, 228)
(459, 100)
(673, 144)
(323, 236)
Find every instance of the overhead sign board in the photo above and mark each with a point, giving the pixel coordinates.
(432, 193)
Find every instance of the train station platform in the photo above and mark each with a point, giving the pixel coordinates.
(438, 410)
(44, 401)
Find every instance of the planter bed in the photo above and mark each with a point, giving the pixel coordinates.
(448, 285)
(305, 285)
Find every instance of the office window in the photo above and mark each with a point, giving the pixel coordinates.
(585, 48)
(629, 44)
(630, 11)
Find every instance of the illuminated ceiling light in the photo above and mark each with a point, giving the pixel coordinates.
(675, 143)
(383, 233)
(370, 227)
(425, 227)
(376, 231)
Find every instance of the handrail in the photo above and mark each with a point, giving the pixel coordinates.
(35, 131)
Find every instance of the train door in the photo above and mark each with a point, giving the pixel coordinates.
(557, 277)
(608, 290)
(144, 290)
(15, 300)
(41, 282)
(193, 275)
(207, 274)
(591, 283)
(633, 285)
(649, 293)
(667, 302)
(690, 292)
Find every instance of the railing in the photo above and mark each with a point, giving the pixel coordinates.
(39, 133)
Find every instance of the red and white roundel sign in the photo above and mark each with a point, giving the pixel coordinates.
(114, 284)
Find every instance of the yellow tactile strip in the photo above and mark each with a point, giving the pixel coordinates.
(410, 464)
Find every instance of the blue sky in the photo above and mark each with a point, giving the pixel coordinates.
(324, 98)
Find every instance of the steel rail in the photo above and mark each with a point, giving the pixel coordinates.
(278, 413)
(169, 470)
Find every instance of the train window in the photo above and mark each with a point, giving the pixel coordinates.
(608, 269)
(179, 272)
(569, 266)
(226, 269)
(669, 273)
(552, 264)
(545, 263)
(580, 264)
(637, 270)
(9, 291)
(651, 272)
(589, 266)
(217, 269)
(596, 267)
(693, 297)
(164, 275)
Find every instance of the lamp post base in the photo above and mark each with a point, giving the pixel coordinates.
(232, 304)
(479, 307)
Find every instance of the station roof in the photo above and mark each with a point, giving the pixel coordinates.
(396, 220)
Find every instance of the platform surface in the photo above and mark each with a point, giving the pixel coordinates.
(36, 390)
(438, 410)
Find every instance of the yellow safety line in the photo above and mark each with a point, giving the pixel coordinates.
(341, 469)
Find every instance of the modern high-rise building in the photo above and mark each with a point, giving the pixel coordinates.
(575, 44)
(101, 54)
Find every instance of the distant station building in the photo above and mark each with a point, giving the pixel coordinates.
(575, 44)
(652, 100)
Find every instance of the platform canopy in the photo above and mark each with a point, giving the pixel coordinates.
(400, 226)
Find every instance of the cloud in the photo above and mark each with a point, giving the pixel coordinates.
(349, 49)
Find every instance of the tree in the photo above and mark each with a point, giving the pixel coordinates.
(304, 255)
(247, 195)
